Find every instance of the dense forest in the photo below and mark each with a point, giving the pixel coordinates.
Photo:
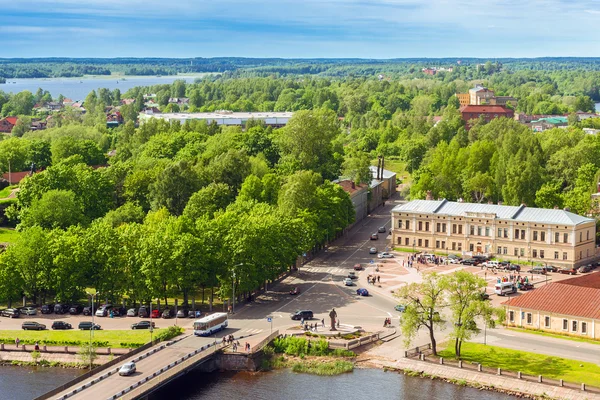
(185, 206)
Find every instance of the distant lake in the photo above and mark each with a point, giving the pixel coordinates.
(78, 88)
(597, 107)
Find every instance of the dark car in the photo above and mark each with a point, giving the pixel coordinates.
(470, 261)
(167, 313)
(195, 314)
(352, 275)
(11, 313)
(484, 296)
(47, 308)
(142, 325)
(61, 325)
(75, 309)
(381, 229)
(568, 270)
(358, 267)
(301, 314)
(585, 268)
(512, 267)
(551, 268)
(362, 292)
(87, 310)
(33, 326)
(481, 258)
(88, 325)
(143, 312)
(61, 308)
(374, 236)
(537, 270)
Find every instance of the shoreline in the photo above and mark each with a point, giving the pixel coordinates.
(109, 77)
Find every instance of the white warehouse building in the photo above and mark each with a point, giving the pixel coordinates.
(228, 118)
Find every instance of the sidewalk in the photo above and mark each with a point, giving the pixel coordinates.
(68, 349)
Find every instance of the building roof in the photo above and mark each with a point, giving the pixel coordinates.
(227, 115)
(471, 108)
(12, 120)
(386, 174)
(552, 120)
(350, 187)
(478, 88)
(16, 177)
(515, 213)
(578, 297)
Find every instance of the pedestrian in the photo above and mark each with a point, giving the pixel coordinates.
(323, 322)
(234, 347)
(302, 321)
(37, 346)
(338, 323)
(316, 326)
(17, 341)
(378, 280)
(229, 309)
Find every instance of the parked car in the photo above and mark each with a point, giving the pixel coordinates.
(358, 267)
(362, 292)
(382, 229)
(585, 268)
(301, 314)
(568, 270)
(182, 313)
(88, 325)
(470, 261)
(195, 314)
(155, 313)
(484, 296)
(491, 264)
(374, 236)
(11, 313)
(348, 282)
(118, 312)
(127, 369)
(512, 267)
(524, 286)
(385, 254)
(352, 275)
(33, 326)
(167, 313)
(551, 268)
(142, 325)
(103, 310)
(143, 312)
(75, 309)
(61, 308)
(61, 325)
(29, 311)
(537, 270)
(400, 307)
(47, 308)
(132, 312)
(87, 310)
(481, 258)
(504, 288)
(372, 250)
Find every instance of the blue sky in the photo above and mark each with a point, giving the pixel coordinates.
(299, 28)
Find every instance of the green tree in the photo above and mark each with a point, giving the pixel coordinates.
(55, 209)
(173, 187)
(208, 200)
(357, 168)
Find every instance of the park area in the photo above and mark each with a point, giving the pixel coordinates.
(112, 339)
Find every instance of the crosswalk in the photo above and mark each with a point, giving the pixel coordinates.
(327, 270)
(245, 332)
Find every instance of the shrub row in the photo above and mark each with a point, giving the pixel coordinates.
(299, 346)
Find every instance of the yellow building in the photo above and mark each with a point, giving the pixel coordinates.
(463, 98)
(515, 233)
(569, 307)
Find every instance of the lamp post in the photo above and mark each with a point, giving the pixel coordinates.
(91, 293)
(233, 294)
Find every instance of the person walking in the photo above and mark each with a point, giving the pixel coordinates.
(378, 281)
(17, 341)
(323, 322)
(37, 346)
(302, 321)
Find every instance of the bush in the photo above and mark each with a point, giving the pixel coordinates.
(169, 333)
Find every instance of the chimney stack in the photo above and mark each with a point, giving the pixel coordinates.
(429, 196)
(382, 165)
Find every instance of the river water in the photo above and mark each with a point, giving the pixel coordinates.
(77, 89)
(22, 383)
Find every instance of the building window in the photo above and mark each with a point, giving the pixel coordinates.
(529, 318)
(472, 230)
(522, 234)
(516, 251)
(588, 235)
(543, 236)
(556, 237)
(420, 243)
(437, 244)
(459, 246)
(499, 250)
(565, 237)
(406, 242)
(438, 227)
(443, 244)
(460, 229)
(565, 325)
(426, 243)
(547, 322)
(479, 231)
(505, 250)
(453, 245)
(427, 226)
(556, 255)
(400, 224)
(541, 253)
(505, 232)
(499, 232)
(564, 255)
(580, 236)
(399, 240)
(453, 228)
(516, 234)
(522, 252)
(584, 328)
(511, 316)
(535, 235)
(487, 231)
(407, 224)
(573, 326)
(420, 225)
(470, 246)
(534, 253)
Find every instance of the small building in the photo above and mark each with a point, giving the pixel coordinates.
(7, 124)
(359, 197)
(503, 101)
(227, 118)
(487, 112)
(388, 178)
(543, 124)
(570, 307)
(480, 95)
(180, 101)
(463, 99)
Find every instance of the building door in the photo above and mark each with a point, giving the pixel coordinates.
(478, 248)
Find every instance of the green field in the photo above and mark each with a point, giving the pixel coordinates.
(528, 363)
(8, 235)
(113, 339)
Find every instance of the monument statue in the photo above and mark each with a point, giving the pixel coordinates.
(333, 316)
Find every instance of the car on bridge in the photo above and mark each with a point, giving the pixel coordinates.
(142, 325)
(385, 254)
(362, 292)
(127, 369)
(33, 326)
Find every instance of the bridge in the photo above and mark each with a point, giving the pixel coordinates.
(156, 366)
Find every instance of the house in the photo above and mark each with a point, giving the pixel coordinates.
(15, 177)
(503, 101)
(543, 124)
(569, 307)
(359, 197)
(487, 112)
(180, 101)
(591, 131)
(480, 95)
(429, 71)
(38, 125)
(388, 178)
(54, 106)
(7, 124)
(225, 117)
(127, 102)
(463, 98)
(513, 233)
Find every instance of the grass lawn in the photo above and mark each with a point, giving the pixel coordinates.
(114, 338)
(556, 335)
(8, 235)
(397, 166)
(6, 191)
(528, 363)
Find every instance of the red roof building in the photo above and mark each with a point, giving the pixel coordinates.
(569, 307)
(470, 112)
(7, 124)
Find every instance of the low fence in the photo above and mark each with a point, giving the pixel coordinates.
(410, 353)
(265, 341)
(511, 374)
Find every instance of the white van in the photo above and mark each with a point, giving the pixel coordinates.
(492, 264)
(504, 288)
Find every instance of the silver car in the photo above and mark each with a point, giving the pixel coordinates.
(127, 369)
(29, 310)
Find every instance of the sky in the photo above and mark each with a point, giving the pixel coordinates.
(299, 28)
